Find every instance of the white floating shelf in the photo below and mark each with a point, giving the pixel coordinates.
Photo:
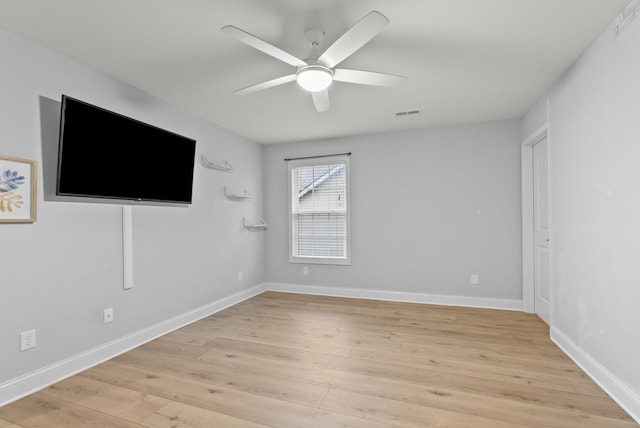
(263, 225)
(230, 195)
(217, 165)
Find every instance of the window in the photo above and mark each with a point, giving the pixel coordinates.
(319, 210)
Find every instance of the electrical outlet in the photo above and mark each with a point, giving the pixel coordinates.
(240, 276)
(107, 315)
(474, 279)
(27, 340)
(305, 270)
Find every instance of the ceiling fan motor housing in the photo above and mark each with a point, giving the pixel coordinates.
(314, 36)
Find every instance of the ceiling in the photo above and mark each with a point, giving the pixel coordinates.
(465, 61)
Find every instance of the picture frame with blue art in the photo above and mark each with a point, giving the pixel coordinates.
(18, 197)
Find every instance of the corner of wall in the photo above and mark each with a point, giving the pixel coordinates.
(628, 399)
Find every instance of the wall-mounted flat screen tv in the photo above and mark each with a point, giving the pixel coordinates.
(106, 155)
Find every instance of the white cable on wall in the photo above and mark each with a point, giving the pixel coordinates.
(127, 246)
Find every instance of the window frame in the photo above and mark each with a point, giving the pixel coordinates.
(324, 160)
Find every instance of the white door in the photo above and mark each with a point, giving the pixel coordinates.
(542, 271)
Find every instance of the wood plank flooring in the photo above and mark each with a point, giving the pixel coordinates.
(296, 361)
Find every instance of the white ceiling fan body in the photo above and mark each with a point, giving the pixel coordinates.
(316, 73)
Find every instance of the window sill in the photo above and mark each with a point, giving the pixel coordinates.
(320, 261)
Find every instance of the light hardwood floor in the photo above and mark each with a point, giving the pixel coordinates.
(287, 360)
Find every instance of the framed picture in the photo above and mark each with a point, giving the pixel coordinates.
(17, 190)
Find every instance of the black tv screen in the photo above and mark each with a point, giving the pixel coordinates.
(103, 154)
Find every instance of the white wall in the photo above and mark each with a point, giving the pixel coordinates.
(58, 274)
(594, 113)
(429, 208)
(537, 116)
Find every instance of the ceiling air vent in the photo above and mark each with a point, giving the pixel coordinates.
(408, 113)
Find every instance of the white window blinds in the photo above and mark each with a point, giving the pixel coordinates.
(319, 210)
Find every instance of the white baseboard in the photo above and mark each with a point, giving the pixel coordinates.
(398, 296)
(22, 386)
(29, 383)
(621, 393)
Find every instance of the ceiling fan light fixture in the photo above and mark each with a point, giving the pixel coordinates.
(314, 78)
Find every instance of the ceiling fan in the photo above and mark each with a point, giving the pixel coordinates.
(318, 71)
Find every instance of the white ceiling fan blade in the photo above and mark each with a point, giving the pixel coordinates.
(321, 100)
(367, 77)
(354, 38)
(266, 85)
(261, 45)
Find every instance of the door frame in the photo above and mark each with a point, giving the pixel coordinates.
(528, 243)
